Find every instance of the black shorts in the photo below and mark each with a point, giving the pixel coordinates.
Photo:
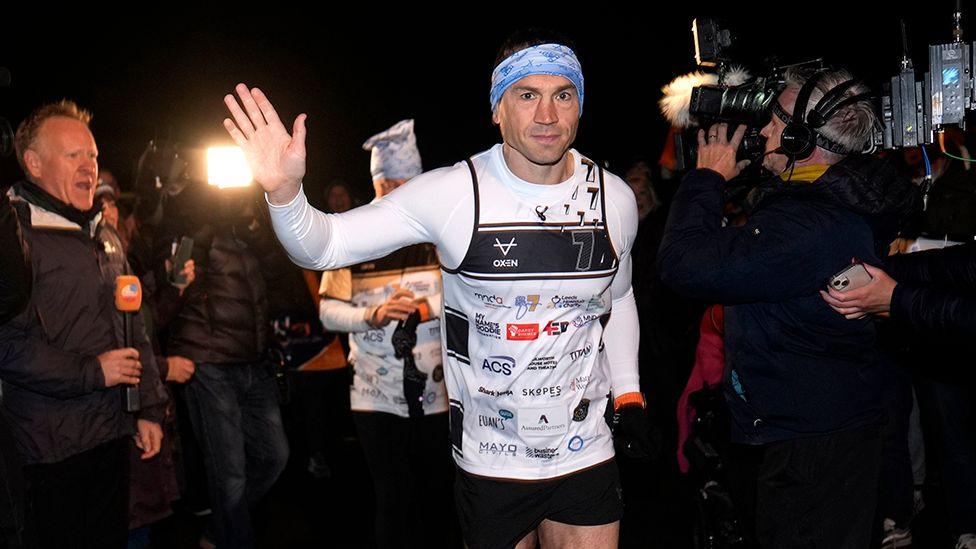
(499, 513)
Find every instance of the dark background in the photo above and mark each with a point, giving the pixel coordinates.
(354, 76)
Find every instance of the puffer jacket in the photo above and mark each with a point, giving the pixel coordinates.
(936, 290)
(224, 318)
(795, 367)
(54, 395)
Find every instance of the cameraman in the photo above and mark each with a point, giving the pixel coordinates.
(802, 384)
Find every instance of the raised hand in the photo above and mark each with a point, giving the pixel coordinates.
(277, 159)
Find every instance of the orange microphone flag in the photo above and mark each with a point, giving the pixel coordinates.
(128, 293)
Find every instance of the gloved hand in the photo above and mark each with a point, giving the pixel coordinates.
(414, 381)
(634, 435)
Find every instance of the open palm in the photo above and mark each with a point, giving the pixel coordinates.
(277, 159)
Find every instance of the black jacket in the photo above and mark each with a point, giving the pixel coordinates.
(224, 318)
(936, 289)
(54, 395)
(15, 275)
(795, 368)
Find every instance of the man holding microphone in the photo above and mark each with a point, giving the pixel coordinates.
(62, 358)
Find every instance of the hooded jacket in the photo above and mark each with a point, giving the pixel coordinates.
(54, 394)
(795, 368)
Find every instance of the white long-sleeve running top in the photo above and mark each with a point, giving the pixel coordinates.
(530, 275)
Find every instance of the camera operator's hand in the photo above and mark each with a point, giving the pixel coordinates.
(717, 152)
(634, 435)
(872, 298)
(277, 159)
(398, 306)
(120, 366)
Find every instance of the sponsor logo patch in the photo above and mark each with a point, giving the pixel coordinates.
(499, 365)
(504, 248)
(555, 328)
(491, 301)
(541, 453)
(495, 422)
(497, 448)
(525, 304)
(542, 422)
(551, 392)
(582, 410)
(543, 363)
(579, 383)
(584, 319)
(373, 336)
(494, 393)
(522, 332)
(487, 328)
(583, 352)
(564, 302)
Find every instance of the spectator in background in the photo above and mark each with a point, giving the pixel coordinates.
(223, 328)
(62, 359)
(638, 177)
(932, 292)
(153, 483)
(667, 345)
(398, 397)
(339, 197)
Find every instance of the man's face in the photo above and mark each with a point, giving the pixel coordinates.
(777, 163)
(538, 116)
(63, 160)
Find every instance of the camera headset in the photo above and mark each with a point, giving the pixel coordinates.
(802, 136)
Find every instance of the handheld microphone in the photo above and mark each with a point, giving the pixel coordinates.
(128, 300)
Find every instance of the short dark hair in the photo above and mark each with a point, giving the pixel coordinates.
(27, 131)
(526, 38)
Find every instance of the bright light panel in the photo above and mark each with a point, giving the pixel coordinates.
(226, 167)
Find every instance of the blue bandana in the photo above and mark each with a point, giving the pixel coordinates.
(551, 59)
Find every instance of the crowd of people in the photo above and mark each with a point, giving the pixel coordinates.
(523, 337)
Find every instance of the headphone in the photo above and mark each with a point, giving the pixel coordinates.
(801, 136)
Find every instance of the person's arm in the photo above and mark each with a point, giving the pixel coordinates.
(311, 238)
(926, 307)
(954, 266)
(932, 308)
(342, 316)
(621, 336)
(36, 366)
(15, 268)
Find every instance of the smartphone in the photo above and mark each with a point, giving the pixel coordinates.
(850, 278)
(179, 259)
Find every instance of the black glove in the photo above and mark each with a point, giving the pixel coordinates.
(414, 381)
(634, 436)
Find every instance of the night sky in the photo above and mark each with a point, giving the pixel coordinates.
(354, 76)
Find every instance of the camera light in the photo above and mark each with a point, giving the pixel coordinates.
(227, 167)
